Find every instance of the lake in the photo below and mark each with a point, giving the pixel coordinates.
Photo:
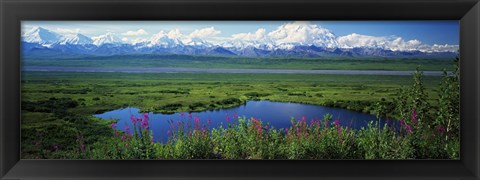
(278, 114)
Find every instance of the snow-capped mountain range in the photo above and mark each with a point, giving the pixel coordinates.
(297, 39)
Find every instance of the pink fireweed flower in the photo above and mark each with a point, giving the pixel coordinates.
(124, 137)
(182, 114)
(132, 118)
(408, 128)
(144, 123)
(337, 125)
(197, 123)
(126, 145)
(116, 133)
(113, 125)
(402, 122)
(440, 129)
(414, 116)
(303, 118)
(336, 122)
(227, 118)
(127, 129)
(235, 115)
(145, 115)
(82, 147)
(258, 127)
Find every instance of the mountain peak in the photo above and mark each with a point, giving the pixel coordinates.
(76, 39)
(41, 35)
(108, 38)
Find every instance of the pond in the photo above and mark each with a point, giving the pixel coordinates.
(278, 114)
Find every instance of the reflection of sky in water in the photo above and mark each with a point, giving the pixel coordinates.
(276, 113)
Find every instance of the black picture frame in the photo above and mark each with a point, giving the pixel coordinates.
(14, 11)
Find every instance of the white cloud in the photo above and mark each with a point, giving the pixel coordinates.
(393, 43)
(357, 40)
(205, 32)
(260, 34)
(139, 32)
(67, 31)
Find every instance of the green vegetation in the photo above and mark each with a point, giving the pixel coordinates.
(169, 93)
(149, 61)
(57, 121)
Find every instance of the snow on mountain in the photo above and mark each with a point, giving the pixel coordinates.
(108, 38)
(76, 39)
(166, 39)
(302, 34)
(41, 36)
(296, 39)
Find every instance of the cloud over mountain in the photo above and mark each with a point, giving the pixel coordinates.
(139, 32)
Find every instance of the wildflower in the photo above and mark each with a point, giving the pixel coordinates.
(227, 118)
(132, 118)
(168, 132)
(235, 115)
(127, 129)
(152, 140)
(126, 145)
(336, 122)
(145, 115)
(113, 125)
(440, 129)
(303, 118)
(144, 123)
(190, 115)
(337, 125)
(182, 114)
(197, 122)
(402, 122)
(209, 121)
(408, 128)
(414, 116)
(82, 146)
(124, 138)
(312, 122)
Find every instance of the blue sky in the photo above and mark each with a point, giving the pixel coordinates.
(429, 32)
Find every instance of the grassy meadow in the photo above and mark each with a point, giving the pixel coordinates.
(57, 108)
(147, 61)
